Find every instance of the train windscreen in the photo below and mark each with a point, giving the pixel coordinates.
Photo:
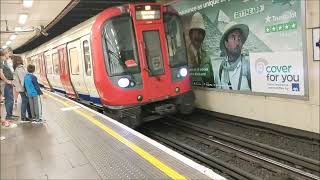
(120, 46)
(153, 52)
(175, 40)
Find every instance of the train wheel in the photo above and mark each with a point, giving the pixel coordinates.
(132, 121)
(185, 103)
(185, 108)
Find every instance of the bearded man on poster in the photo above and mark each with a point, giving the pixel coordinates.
(234, 69)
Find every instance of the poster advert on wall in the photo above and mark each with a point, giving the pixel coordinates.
(245, 45)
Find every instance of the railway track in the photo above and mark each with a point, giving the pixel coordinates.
(259, 129)
(279, 162)
(202, 157)
(298, 160)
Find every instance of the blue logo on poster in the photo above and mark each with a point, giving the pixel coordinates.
(295, 87)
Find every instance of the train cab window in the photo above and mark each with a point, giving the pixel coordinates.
(48, 61)
(120, 46)
(55, 60)
(74, 61)
(175, 40)
(87, 58)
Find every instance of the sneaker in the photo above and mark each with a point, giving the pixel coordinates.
(38, 121)
(10, 125)
(12, 118)
(26, 119)
(2, 138)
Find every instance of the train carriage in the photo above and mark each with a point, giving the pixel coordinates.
(129, 60)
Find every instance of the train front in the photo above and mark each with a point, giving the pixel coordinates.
(140, 60)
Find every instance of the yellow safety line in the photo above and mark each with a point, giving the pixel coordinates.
(147, 156)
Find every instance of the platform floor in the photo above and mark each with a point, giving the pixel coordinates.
(45, 151)
(78, 143)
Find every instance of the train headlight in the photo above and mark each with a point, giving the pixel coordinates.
(132, 83)
(183, 72)
(123, 82)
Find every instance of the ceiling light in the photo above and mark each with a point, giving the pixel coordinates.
(13, 37)
(27, 3)
(8, 43)
(17, 29)
(23, 18)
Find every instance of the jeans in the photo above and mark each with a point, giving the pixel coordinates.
(25, 106)
(8, 94)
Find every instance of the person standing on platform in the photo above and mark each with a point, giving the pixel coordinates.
(33, 91)
(4, 123)
(6, 73)
(18, 80)
(10, 62)
(2, 83)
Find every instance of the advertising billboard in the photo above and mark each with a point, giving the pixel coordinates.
(245, 45)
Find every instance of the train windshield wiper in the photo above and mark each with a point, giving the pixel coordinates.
(117, 56)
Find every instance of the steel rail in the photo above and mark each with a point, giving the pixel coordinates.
(202, 157)
(266, 149)
(289, 168)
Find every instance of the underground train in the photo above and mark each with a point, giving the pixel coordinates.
(130, 61)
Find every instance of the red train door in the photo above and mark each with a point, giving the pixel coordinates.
(154, 60)
(64, 72)
(43, 73)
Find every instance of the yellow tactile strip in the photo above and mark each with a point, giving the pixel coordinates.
(141, 152)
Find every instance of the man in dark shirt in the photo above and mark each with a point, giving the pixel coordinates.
(6, 73)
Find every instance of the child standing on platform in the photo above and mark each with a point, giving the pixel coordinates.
(33, 92)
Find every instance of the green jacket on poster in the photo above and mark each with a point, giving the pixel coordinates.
(200, 67)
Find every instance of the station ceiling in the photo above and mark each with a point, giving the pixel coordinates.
(36, 13)
(73, 13)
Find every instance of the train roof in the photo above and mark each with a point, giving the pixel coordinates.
(75, 12)
(74, 33)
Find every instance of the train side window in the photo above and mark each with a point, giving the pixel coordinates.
(41, 60)
(87, 58)
(74, 61)
(61, 56)
(29, 61)
(34, 61)
(37, 64)
(48, 63)
(55, 60)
